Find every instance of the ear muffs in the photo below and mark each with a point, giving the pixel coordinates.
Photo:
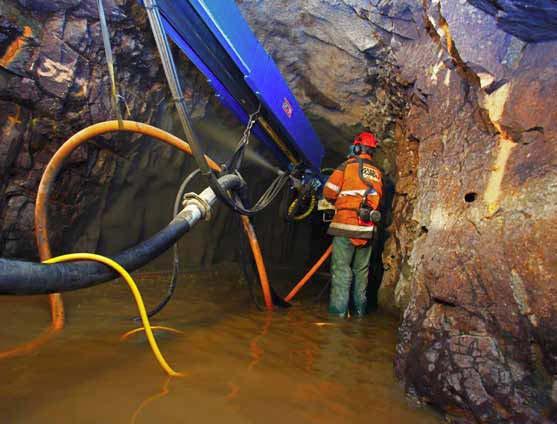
(368, 150)
(357, 149)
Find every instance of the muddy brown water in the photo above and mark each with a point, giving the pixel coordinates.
(241, 365)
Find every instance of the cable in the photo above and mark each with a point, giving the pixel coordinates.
(110, 62)
(236, 203)
(136, 294)
(323, 290)
(175, 252)
(247, 270)
(238, 156)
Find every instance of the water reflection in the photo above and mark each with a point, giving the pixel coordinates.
(163, 392)
(256, 351)
(243, 365)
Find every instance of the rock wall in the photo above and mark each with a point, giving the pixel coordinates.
(459, 92)
(476, 230)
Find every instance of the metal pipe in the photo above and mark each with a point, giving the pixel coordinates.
(155, 20)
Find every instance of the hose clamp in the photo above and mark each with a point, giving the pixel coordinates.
(196, 200)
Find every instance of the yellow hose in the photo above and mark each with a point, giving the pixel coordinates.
(311, 207)
(136, 294)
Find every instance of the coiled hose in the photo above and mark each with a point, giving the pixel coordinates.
(295, 205)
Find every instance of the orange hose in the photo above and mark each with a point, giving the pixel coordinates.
(257, 255)
(29, 347)
(310, 273)
(41, 220)
(153, 327)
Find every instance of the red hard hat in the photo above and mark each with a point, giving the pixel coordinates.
(365, 139)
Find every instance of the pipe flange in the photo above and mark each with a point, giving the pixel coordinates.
(200, 202)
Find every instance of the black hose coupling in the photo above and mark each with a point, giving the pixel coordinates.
(242, 189)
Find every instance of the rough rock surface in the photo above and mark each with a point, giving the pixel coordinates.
(526, 19)
(460, 92)
(478, 334)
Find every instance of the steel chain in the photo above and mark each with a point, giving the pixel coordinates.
(251, 122)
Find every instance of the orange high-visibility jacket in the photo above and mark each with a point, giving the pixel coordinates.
(346, 190)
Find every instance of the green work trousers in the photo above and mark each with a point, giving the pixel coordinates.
(349, 262)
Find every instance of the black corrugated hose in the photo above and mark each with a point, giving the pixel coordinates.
(28, 278)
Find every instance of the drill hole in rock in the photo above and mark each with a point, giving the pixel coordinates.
(470, 197)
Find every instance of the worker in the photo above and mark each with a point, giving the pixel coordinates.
(355, 188)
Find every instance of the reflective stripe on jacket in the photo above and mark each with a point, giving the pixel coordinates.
(345, 190)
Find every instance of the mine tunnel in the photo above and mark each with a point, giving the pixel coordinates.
(303, 211)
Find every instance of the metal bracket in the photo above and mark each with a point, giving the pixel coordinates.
(200, 202)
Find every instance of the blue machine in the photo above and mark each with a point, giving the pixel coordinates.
(217, 39)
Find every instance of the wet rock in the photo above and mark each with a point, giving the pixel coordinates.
(394, 293)
(462, 102)
(55, 68)
(48, 6)
(472, 301)
(530, 21)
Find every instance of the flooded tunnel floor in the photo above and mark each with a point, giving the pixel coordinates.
(241, 365)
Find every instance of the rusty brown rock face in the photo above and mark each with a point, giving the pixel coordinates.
(467, 116)
(479, 332)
